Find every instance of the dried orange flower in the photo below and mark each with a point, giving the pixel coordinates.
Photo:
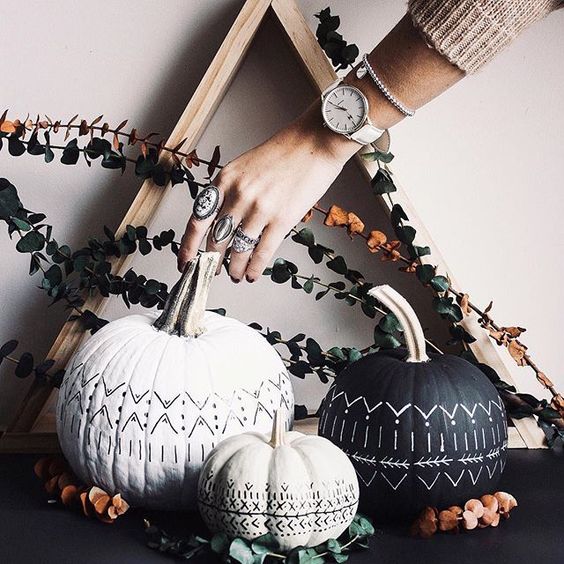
(307, 216)
(375, 240)
(96, 502)
(474, 505)
(477, 513)
(425, 526)
(469, 520)
(506, 503)
(336, 216)
(409, 268)
(61, 482)
(517, 350)
(464, 303)
(448, 521)
(490, 502)
(354, 224)
(544, 380)
(7, 127)
(513, 332)
(390, 251)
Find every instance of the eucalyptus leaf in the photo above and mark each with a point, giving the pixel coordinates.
(30, 242)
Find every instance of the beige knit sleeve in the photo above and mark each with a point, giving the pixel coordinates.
(470, 32)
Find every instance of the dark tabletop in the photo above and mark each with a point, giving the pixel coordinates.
(33, 531)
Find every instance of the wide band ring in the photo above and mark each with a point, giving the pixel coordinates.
(242, 242)
(206, 202)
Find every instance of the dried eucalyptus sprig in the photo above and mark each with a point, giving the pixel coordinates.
(383, 184)
(476, 513)
(264, 549)
(63, 486)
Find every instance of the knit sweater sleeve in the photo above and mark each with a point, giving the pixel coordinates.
(470, 32)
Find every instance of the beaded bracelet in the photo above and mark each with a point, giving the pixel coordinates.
(366, 67)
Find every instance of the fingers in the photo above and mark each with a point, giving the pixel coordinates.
(221, 234)
(204, 212)
(252, 227)
(271, 239)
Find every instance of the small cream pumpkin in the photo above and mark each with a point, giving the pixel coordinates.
(300, 488)
(144, 400)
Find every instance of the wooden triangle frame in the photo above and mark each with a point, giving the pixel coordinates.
(32, 429)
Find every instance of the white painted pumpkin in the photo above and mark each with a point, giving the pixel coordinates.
(140, 407)
(300, 488)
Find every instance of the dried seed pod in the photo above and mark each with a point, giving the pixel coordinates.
(469, 520)
(51, 485)
(457, 510)
(425, 526)
(506, 501)
(41, 468)
(65, 479)
(70, 494)
(474, 505)
(120, 505)
(490, 502)
(488, 518)
(448, 520)
(87, 508)
(99, 499)
(57, 466)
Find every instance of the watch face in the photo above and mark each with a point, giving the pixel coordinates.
(344, 109)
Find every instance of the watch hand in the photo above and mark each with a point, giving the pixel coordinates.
(337, 106)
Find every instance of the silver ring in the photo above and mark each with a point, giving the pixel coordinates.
(242, 242)
(222, 229)
(206, 202)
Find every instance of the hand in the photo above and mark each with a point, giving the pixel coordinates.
(268, 189)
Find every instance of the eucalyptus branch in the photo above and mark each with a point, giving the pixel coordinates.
(264, 548)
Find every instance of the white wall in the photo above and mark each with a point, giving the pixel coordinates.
(482, 163)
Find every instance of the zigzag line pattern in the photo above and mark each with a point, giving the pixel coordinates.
(303, 508)
(121, 415)
(469, 410)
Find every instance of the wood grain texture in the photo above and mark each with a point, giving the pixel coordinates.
(36, 411)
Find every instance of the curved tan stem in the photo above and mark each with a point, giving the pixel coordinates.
(412, 330)
(278, 429)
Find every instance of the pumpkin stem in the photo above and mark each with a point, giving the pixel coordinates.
(278, 429)
(186, 303)
(412, 330)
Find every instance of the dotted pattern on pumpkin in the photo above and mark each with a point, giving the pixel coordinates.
(152, 430)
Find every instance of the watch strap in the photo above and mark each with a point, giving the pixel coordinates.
(368, 133)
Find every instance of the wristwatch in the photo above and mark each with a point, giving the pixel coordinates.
(345, 110)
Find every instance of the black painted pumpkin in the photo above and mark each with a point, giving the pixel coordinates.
(420, 430)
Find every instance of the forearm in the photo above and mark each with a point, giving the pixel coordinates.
(413, 72)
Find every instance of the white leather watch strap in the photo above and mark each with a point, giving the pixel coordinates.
(367, 134)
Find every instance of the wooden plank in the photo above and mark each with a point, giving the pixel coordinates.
(190, 126)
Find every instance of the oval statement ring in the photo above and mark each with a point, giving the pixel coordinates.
(206, 203)
(222, 229)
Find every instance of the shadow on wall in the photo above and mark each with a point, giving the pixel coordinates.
(164, 105)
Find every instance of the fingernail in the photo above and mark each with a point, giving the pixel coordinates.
(235, 280)
(250, 279)
(180, 267)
